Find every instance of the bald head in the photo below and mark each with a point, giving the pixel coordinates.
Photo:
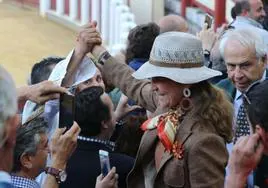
(173, 23)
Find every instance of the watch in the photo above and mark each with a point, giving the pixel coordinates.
(104, 57)
(59, 174)
(206, 52)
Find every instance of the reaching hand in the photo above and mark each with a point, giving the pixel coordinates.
(109, 181)
(245, 156)
(123, 108)
(43, 91)
(87, 38)
(63, 145)
(208, 37)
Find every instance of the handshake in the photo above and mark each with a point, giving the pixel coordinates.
(87, 38)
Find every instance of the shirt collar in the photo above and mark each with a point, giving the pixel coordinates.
(22, 182)
(249, 21)
(239, 93)
(107, 143)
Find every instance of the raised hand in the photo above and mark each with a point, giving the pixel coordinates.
(41, 92)
(208, 37)
(87, 38)
(123, 108)
(245, 157)
(109, 181)
(63, 145)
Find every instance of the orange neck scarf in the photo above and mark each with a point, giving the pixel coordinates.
(166, 125)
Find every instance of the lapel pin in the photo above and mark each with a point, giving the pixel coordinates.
(177, 150)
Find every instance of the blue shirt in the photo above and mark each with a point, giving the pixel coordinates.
(5, 180)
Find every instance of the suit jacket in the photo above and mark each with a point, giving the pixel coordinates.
(205, 155)
(84, 165)
(261, 173)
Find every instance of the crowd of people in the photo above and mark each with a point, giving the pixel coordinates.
(173, 109)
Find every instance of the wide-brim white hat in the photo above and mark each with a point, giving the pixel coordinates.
(177, 56)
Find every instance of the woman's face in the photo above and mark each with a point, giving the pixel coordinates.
(96, 80)
(169, 92)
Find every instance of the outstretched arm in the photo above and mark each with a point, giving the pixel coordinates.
(85, 40)
(39, 93)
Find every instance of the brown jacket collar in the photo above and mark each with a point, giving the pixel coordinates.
(150, 138)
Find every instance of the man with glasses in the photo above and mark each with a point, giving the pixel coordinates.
(245, 56)
(30, 153)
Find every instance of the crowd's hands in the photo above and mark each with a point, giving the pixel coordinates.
(40, 93)
(63, 145)
(245, 157)
(109, 181)
(123, 108)
(207, 36)
(87, 38)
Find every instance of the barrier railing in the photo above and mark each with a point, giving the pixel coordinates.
(113, 16)
(220, 9)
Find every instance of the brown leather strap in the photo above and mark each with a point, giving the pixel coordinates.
(175, 64)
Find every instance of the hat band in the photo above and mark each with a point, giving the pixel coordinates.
(174, 64)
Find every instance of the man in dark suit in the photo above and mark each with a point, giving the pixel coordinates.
(245, 56)
(94, 114)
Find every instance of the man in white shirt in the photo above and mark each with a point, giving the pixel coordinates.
(251, 15)
(244, 53)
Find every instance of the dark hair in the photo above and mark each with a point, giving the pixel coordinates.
(240, 7)
(41, 70)
(27, 140)
(90, 111)
(132, 130)
(233, 13)
(140, 41)
(258, 107)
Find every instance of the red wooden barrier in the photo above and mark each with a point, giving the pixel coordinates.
(218, 12)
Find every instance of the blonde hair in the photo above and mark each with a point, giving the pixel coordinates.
(212, 108)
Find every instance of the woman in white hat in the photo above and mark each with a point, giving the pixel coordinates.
(185, 146)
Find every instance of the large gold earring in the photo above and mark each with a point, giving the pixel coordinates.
(186, 103)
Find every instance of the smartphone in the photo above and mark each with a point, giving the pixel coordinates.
(66, 118)
(104, 162)
(208, 20)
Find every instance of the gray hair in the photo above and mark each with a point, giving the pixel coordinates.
(247, 38)
(8, 100)
(28, 139)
